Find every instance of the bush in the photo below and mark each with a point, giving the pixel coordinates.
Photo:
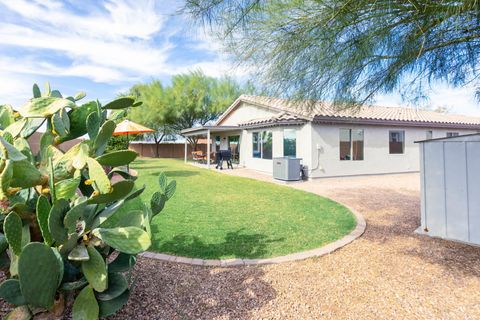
(53, 246)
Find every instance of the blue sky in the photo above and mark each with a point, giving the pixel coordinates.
(104, 47)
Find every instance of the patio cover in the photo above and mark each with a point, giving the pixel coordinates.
(205, 131)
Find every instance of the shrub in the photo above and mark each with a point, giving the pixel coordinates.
(53, 246)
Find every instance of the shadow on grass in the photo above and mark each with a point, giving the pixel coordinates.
(236, 244)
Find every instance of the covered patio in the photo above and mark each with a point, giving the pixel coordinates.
(219, 138)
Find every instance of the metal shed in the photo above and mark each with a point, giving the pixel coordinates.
(450, 188)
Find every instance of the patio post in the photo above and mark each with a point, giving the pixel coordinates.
(186, 147)
(208, 148)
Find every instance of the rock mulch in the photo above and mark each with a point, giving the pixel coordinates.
(388, 273)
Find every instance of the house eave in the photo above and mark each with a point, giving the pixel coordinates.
(273, 124)
(397, 123)
(195, 131)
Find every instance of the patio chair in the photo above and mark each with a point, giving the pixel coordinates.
(198, 156)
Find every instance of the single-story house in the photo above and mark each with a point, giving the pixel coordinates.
(330, 142)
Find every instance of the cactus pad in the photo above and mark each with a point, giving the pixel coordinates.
(44, 107)
(39, 274)
(12, 227)
(93, 125)
(117, 284)
(85, 306)
(10, 292)
(95, 270)
(26, 175)
(43, 211)
(109, 307)
(117, 158)
(104, 134)
(130, 240)
(55, 221)
(157, 203)
(79, 253)
(120, 103)
(101, 183)
(122, 263)
(119, 190)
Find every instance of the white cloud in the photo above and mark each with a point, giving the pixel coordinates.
(15, 89)
(120, 19)
(114, 42)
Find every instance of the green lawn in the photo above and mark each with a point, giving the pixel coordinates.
(217, 216)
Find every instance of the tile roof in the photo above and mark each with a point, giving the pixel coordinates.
(281, 118)
(315, 110)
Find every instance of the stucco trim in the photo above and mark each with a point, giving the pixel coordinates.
(396, 123)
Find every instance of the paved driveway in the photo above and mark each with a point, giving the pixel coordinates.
(388, 273)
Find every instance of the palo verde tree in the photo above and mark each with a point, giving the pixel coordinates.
(345, 50)
(196, 99)
(61, 239)
(155, 112)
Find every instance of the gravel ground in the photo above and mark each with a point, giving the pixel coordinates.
(388, 273)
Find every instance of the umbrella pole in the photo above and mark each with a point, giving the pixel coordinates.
(128, 147)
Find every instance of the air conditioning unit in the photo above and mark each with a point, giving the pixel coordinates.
(287, 168)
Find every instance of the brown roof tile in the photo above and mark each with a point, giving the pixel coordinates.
(311, 110)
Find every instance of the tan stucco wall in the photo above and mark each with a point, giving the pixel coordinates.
(318, 146)
(377, 160)
(246, 112)
(265, 165)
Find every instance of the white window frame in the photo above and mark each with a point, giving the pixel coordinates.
(403, 144)
(260, 139)
(351, 143)
(451, 134)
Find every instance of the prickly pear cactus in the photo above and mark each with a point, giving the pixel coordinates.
(53, 205)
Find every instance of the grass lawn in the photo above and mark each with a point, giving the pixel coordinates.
(216, 216)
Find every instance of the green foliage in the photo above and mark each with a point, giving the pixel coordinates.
(117, 158)
(39, 274)
(192, 99)
(10, 291)
(52, 241)
(85, 306)
(43, 213)
(130, 240)
(349, 50)
(117, 143)
(95, 270)
(12, 226)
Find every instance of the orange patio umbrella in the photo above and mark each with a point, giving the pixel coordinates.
(127, 127)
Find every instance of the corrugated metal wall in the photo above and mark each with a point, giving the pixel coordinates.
(450, 173)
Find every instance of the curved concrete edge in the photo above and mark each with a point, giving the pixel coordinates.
(329, 248)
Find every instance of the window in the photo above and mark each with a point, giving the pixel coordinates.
(351, 144)
(452, 134)
(397, 142)
(262, 144)
(289, 143)
(256, 145)
(429, 134)
(267, 145)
